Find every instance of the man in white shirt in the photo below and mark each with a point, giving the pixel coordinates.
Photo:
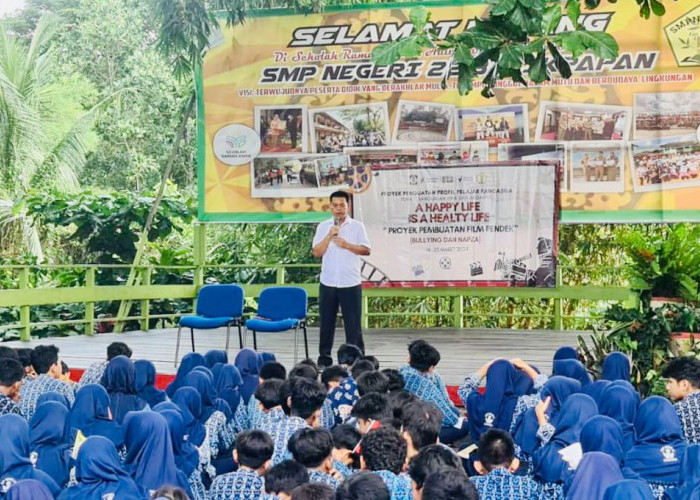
(339, 242)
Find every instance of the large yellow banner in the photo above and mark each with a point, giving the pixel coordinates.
(292, 108)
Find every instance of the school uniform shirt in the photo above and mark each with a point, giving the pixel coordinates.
(399, 485)
(342, 399)
(340, 267)
(500, 483)
(344, 470)
(280, 430)
(688, 410)
(244, 484)
(316, 476)
(32, 389)
(92, 375)
(430, 387)
(8, 406)
(327, 416)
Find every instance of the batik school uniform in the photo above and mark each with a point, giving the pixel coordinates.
(33, 388)
(342, 399)
(243, 484)
(500, 483)
(345, 470)
(92, 375)
(316, 476)
(688, 411)
(399, 485)
(430, 387)
(8, 406)
(327, 415)
(280, 430)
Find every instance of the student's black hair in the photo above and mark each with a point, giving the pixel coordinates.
(422, 355)
(273, 369)
(307, 397)
(285, 392)
(310, 447)
(64, 368)
(269, 393)
(496, 449)
(446, 485)
(372, 382)
(422, 421)
(339, 194)
(11, 371)
(25, 356)
(303, 370)
(391, 422)
(334, 373)
(43, 357)
(396, 381)
(684, 368)
(384, 449)
(371, 406)
(254, 448)
(313, 491)
(373, 360)
(361, 366)
(432, 459)
(8, 352)
(347, 354)
(398, 400)
(363, 486)
(345, 436)
(285, 476)
(310, 362)
(118, 349)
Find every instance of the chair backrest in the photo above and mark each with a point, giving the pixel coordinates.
(218, 301)
(282, 302)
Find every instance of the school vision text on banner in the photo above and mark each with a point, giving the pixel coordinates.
(292, 108)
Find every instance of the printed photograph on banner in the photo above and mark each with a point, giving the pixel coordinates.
(665, 163)
(597, 167)
(537, 151)
(494, 124)
(665, 114)
(284, 176)
(571, 121)
(333, 171)
(422, 122)
(452, 153)
(282, 129)
(387, 155)
(356, 125)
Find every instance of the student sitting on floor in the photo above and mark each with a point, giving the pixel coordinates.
(446, 485)
(48, 365)
(363, 486)
(313, 491)
(384, 452)
(269, 396)
(345, 458)
(369, 410)
(94, 372)
(253, 454)
(372, 382)
(422, 380)
(421, 422)
(345, 395)
(11, 374)
(496, 464)
(282, 478)
(396, 381)
(683, 386)
(313, 448)
(431, 459)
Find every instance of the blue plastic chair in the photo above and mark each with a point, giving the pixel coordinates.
(217, 305)
(281, 309)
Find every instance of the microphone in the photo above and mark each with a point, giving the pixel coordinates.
(336, 221)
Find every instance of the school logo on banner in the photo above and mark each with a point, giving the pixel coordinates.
(684, 37)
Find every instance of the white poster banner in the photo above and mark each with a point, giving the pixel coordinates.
(491, 224)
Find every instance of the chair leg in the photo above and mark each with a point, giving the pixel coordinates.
(296, 344)
(228, 333)
(306, 342)
(177, 346)
(192, 337)
(255, 341)
(240, 336)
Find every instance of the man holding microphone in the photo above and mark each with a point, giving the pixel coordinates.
(339, 242)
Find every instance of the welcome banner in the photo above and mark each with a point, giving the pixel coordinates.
(292, 108)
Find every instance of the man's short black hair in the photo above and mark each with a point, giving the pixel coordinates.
(305, 371)
(372, 382)
(8, 352)
(310, 447)
(361, 366)
(310, 362)
(432, 459)
(384, 449)
(684, 368)
(25, 356)
(254, 448)
(374, 361)
(496, 449)
(313, 491)
(396, 381)
(44, 357)
(269, 393)
(345, 437)
(348, 354)
(11, 371)
(371, 406)
(273, 369)
(446, 485)
(339, 194)
(422, 421)
(363, 486)
(398, 400)
(334, 373)
(285, 476)
(422, 356)
(307, 397)
(118, 349)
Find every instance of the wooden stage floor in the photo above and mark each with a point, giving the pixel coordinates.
(462, 351)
